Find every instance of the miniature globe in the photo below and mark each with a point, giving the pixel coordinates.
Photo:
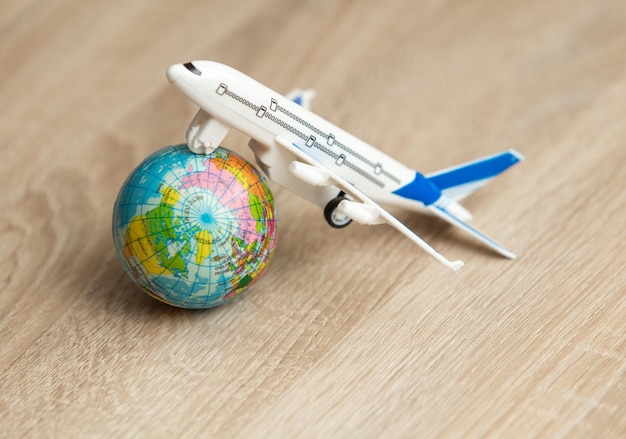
(192, 230)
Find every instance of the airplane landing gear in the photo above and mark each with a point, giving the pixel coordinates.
(334, 218)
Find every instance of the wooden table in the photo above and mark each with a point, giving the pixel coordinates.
(354, 332)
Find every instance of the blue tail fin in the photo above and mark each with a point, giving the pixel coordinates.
(462, 180)
(301, 97)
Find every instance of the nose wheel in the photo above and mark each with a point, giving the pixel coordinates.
(333, 217)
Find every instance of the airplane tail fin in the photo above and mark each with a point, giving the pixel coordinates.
(460, 181)
(301, 97)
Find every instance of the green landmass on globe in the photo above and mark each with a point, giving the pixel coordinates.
(194, 230)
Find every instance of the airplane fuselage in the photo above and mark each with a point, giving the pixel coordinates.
(244, 104)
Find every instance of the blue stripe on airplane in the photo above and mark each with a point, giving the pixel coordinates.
(420, 189)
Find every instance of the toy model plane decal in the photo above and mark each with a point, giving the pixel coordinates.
(317, 160)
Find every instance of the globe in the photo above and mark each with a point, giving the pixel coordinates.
(194, 231)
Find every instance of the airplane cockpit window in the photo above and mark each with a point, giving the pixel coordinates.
(193, 69)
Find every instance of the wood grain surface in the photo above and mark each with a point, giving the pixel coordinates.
(354, 332)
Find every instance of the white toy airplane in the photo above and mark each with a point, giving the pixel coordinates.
(322, 163)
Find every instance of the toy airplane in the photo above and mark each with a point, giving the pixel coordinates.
(322, 163)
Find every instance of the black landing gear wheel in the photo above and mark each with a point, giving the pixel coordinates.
(334, 218)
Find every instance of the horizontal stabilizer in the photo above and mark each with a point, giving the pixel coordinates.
(460, 181)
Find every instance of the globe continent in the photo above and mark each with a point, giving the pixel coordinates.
(194, 230)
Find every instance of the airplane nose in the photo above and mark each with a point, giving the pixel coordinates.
(173, 73)
(193, 69)
(178, 70)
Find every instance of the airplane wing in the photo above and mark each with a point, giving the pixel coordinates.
(452, 219)
(371, 207)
